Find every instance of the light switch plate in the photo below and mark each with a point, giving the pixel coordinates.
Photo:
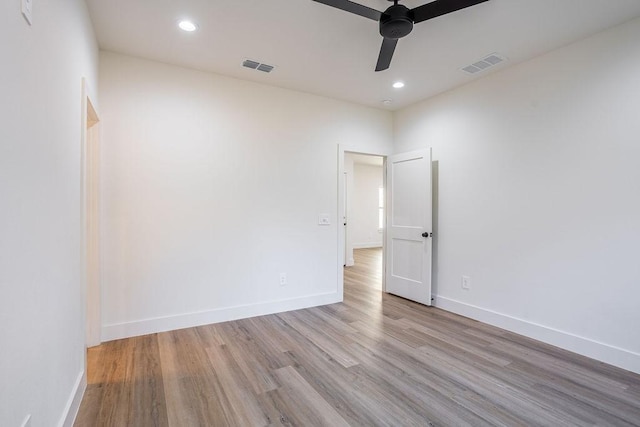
(27, 10)
(323, 219)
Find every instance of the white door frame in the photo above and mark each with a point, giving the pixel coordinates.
(89, 268)
(342, 150)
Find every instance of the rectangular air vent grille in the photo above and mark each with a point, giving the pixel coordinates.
(484, 64)
(266, 68)
(250, 64)
(254, 65)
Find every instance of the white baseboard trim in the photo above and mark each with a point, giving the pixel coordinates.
(188, 320)
(367, 245)
(606, 353)
(73, 404)
(350, 262)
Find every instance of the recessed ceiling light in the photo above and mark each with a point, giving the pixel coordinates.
(187, 26)
(398, 85)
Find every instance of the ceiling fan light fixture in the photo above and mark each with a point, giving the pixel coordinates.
(397, 20)
(398, 85)
(188, 26)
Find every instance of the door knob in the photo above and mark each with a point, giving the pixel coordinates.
(426, 234)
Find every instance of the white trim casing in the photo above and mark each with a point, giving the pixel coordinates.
(188, 320)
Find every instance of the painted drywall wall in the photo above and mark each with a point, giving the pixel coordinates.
(539, 191)
(367, 180)
(41, 310)
(212, 188)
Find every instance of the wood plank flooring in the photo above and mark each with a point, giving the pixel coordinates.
(373, 360)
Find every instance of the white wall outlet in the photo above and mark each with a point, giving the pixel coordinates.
(323, 219)
(27, 10)
(283, 279)
(466, 282)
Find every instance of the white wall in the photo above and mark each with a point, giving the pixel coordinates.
(212, 188)
(539, 195)
(364, 217)
(41, 310)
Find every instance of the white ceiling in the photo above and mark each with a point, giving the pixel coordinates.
(322, 50)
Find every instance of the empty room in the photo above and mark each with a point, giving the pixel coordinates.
(319, 213)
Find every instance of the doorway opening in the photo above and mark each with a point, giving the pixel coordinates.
(364, 203)
(405, 206)
(363, 219)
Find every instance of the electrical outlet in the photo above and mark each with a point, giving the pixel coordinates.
(466, 283)
(27, 10)
(323, 219)
(283, 279)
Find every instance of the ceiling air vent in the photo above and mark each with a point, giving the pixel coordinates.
(254, 65)
(250, 64)
(266, 68)
(484, 63)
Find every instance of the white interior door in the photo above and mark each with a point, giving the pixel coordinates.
(408, 236)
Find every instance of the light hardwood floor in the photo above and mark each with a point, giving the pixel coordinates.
(373, 360)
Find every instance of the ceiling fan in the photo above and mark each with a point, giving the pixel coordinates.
(397, 21)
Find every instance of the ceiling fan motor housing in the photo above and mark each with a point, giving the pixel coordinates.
(396, 22)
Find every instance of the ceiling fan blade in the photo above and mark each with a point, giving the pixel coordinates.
(386, 53)
(352, 7)
(441, 7)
